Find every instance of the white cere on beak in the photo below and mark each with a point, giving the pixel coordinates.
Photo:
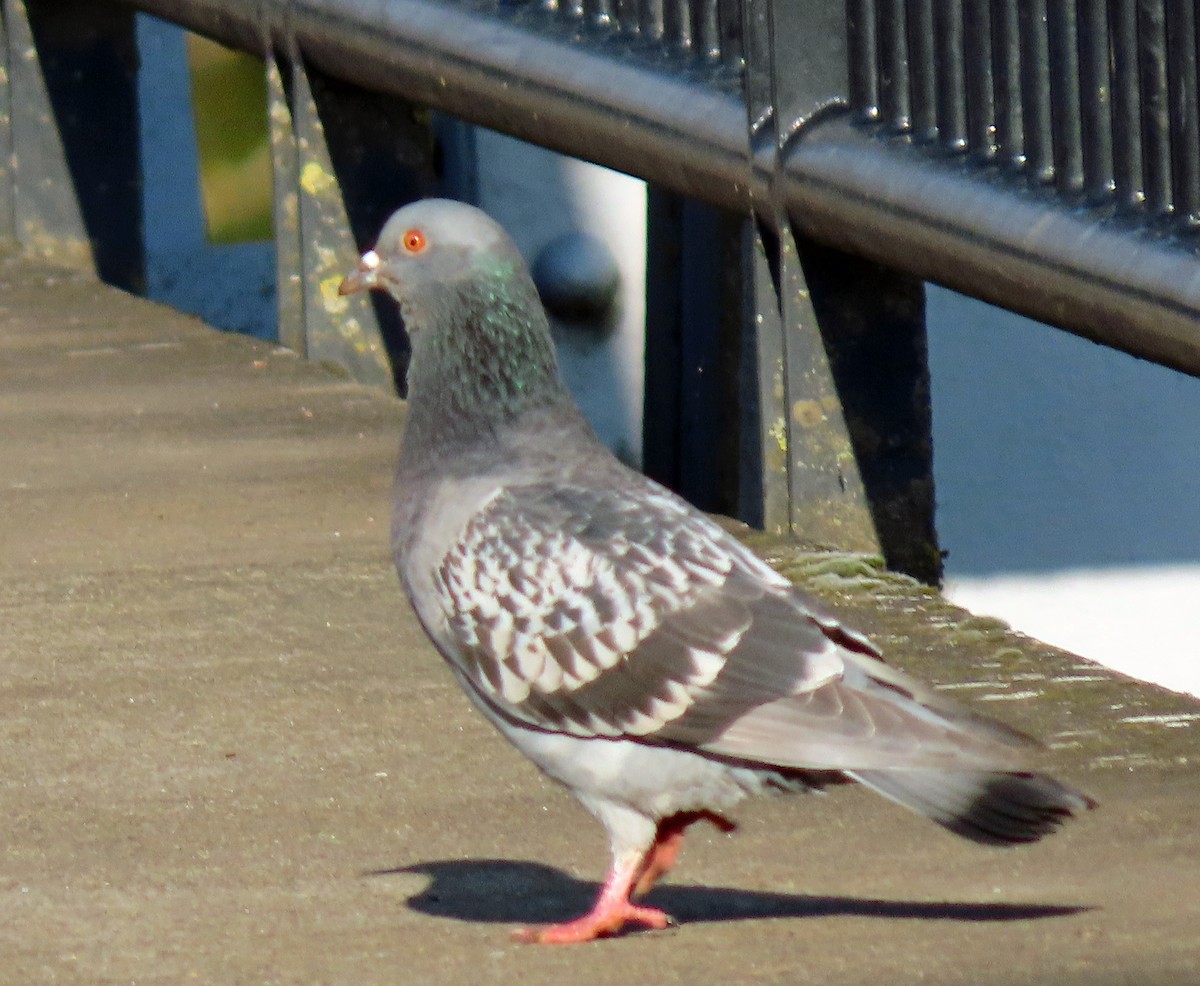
(363, 276)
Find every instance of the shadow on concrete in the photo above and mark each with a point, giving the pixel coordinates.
(491, 890)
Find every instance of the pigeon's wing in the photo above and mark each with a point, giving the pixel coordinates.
(628, 613)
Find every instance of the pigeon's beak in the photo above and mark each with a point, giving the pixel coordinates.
(364, 276)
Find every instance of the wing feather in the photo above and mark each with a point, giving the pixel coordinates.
(599, 613)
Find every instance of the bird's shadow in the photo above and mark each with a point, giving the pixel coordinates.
(493, 890)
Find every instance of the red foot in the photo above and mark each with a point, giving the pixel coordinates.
(659, 860)
(599, 924)
(633, 872)
(669, 841)
(612, 911)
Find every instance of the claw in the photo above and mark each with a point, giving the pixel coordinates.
(602, 922)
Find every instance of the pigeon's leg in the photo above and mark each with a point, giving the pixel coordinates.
(632, 836)
(667, 843)
(612, 912)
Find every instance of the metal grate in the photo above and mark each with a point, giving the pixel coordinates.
(1096, 99)
(704, 30)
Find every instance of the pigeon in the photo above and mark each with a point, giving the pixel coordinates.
(622, 640)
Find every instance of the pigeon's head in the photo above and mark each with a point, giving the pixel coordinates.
(427, 248)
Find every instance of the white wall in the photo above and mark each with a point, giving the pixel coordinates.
(1068, 484)
(1054, 452)
(538, 195)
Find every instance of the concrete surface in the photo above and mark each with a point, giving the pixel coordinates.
(227, 755)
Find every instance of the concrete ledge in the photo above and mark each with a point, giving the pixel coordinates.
(229, 756)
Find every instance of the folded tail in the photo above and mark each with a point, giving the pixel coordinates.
(992, 807)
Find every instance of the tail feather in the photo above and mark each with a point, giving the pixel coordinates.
(992, 807)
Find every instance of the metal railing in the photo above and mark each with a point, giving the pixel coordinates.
(1079, 120)
(1041, 155)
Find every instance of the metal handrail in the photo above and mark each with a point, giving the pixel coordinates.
(640, 116)
(682, 120)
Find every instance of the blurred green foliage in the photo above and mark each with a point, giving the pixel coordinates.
(229, 98)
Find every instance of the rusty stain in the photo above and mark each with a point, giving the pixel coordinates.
(69, 251)
(807, 414)
(281, 117)
(289, 205)
(328, 259)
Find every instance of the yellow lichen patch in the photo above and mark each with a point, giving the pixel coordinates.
(334, 303)
(315, 180)
(778, 432)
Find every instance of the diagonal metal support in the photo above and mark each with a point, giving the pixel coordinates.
(844, 419)
(314, 242)
(805, 439)
(285, 173)
(343, 160)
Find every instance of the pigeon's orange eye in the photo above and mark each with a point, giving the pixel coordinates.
(414, 241)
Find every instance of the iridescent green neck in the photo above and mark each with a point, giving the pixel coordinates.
(482, 355)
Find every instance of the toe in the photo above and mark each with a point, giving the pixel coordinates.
(593, 926)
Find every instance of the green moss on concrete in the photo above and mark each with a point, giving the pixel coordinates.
(1088, 716)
